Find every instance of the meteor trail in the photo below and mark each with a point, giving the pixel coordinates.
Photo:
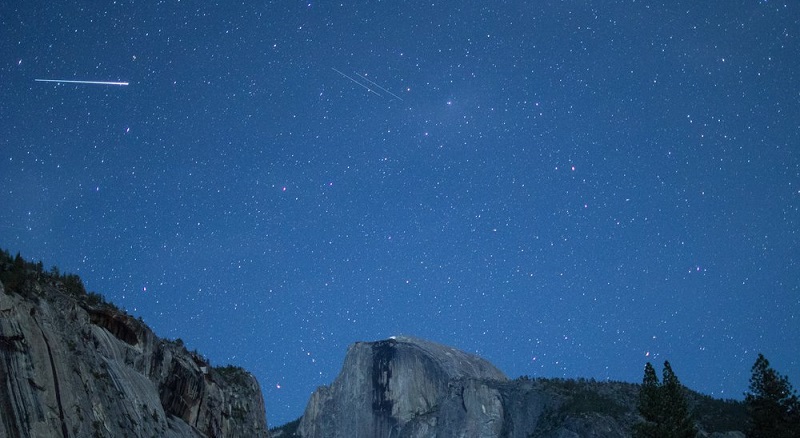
(359, 83)
(373, 83)
(67, 81)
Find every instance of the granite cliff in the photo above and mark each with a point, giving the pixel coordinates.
(408, 387)
(72, 365)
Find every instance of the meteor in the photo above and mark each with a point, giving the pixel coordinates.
(67, 81)
(359, 83)
(373, 83)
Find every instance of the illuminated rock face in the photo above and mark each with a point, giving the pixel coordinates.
(407, 387)
(69, 368)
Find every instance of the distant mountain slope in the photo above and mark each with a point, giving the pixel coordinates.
(407, 387)
(72, 365)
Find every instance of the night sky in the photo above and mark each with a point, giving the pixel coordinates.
(566, 188)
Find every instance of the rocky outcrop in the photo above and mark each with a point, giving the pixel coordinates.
(410, 388)
(406, 387)
(70, 367)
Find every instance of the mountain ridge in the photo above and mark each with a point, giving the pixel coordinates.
(470, 399)
(73, 365)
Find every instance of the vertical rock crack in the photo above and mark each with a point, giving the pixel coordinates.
(64, 430)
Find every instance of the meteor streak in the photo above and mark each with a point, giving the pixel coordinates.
(359, 83)
(67, 81)
(373, 83)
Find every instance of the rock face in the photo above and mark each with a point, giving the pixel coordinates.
(407, 387)
(410, 388)
(69, 368)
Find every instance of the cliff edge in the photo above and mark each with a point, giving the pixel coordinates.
(74, 366)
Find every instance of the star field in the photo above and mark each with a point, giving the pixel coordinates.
(567, 188)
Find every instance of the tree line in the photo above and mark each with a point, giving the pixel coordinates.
(19, 276)
(772, 405)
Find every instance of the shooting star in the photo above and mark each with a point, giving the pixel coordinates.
(359, 83)
(67, 81)
(373, 83)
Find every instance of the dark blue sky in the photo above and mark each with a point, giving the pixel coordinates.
(567, 188)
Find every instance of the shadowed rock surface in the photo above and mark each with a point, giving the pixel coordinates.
(70, 367)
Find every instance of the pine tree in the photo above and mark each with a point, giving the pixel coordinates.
(771, 403)
(649, 405)
(663, 407)
(677, 420)
(648, 401)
